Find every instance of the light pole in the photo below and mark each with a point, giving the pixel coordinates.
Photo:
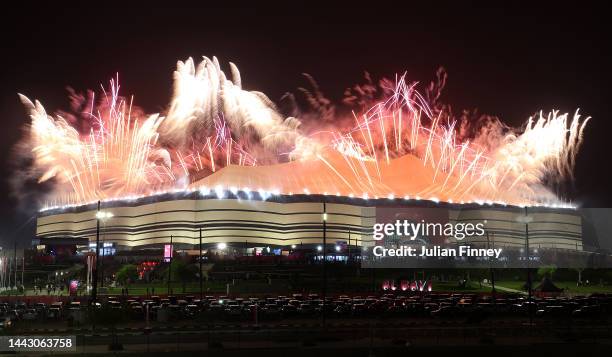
(324, 260)
(201, 286)
(170, 264)
(526, 219)
(94, 290)
(100, 215)
(348, 253)
(491, 269)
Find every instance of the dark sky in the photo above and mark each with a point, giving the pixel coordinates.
(509, 62)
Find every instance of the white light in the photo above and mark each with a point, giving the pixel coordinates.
(435, 199)
(103, 215)
(219, 191)
(365, 196)
(234, 190)
(221, 246)
(325, 216)
(292, 246)
(406, 197)
(319, 248)
(338, 248)
(306, 191)
(351, 195)
(391, 196)
(417, 198)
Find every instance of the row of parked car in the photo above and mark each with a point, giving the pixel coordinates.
(309, 306)
(23, 311)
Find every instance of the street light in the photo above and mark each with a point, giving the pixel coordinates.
(324, 261)
(526, 219)
(100, 215)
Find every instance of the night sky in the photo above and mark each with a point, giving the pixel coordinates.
(509, 62)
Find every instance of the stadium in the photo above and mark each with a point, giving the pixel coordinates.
(253, 181)
(252, 222)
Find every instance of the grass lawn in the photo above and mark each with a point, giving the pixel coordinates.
(568, 286)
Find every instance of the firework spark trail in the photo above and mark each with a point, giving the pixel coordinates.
(213, 123)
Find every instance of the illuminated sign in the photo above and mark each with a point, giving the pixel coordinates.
(167, 252)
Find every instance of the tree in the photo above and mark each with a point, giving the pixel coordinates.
(183, 272)
(127, 274)
(547, 271)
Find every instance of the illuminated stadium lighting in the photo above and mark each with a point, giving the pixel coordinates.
(219, 191)
(221, 246)
(319, 248)
(103, 215)
(338, 248)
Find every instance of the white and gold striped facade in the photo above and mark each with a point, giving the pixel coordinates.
(289, 220)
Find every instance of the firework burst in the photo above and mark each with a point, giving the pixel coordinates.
(215, 133)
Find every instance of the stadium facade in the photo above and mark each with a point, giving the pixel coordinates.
(255, 219)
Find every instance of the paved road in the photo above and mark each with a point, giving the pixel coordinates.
(508, 290)
(379, 333)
